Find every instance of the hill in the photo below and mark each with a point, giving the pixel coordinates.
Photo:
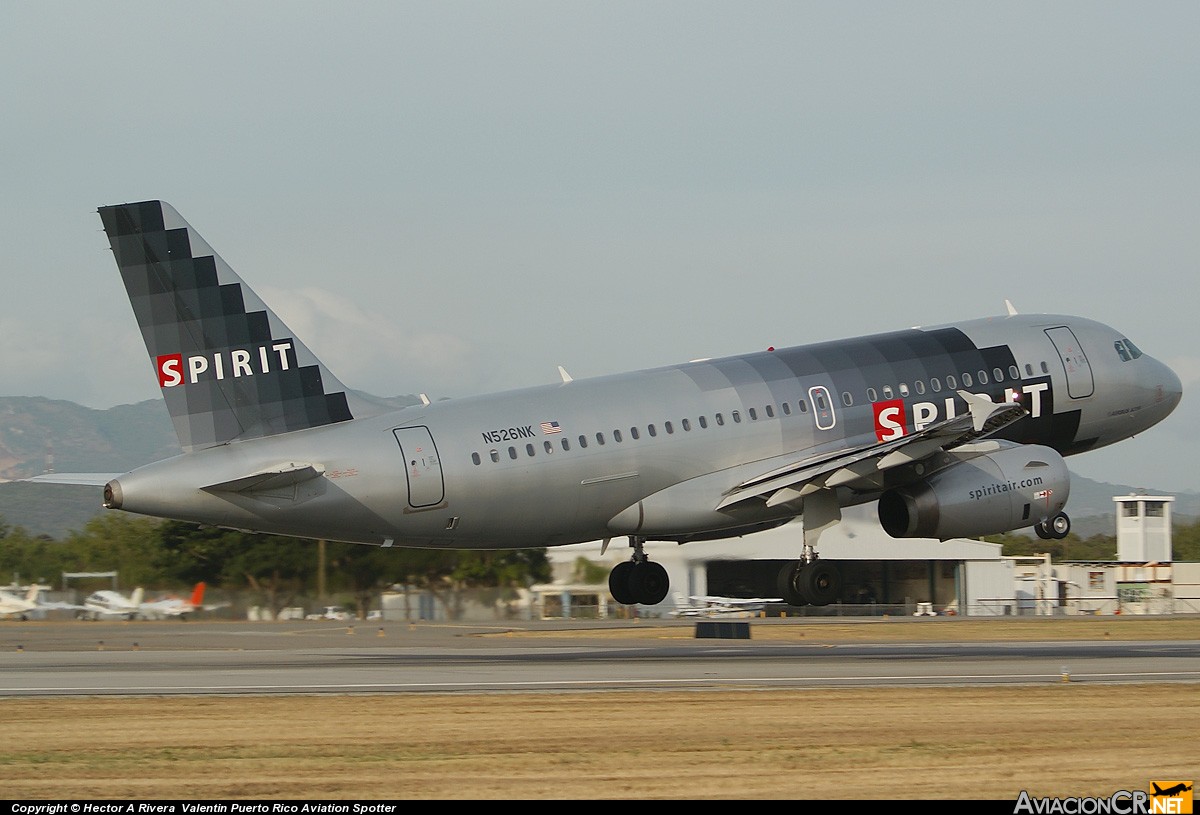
(40, 435)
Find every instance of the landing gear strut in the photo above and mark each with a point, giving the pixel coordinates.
(638, 580)
(1055, 528)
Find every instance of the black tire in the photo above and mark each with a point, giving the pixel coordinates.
(1059, 526)
(1042, 530)
(821, 583)
(789, 582)
(649, 582)
(619, 583)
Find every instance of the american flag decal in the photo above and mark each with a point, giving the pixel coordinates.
(550, 427)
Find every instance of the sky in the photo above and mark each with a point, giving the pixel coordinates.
(456, 198)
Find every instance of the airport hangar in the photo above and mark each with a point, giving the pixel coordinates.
(885, 575)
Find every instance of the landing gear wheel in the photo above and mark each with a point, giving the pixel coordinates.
(649, 582)
(789, 584)
(619, 580)
(821, 583)
(1059, 526)
(1041, 530)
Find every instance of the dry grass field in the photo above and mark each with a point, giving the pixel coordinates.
(1066, 739)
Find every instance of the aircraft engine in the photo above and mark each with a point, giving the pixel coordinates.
(986, 494)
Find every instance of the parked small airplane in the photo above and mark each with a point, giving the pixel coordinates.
(13, 605)
(711, 605)
(958, 430)
(176, 606)
(106, 603)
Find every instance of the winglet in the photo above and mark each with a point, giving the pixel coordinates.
(562, 372)
(1012, 310)
(983, 409)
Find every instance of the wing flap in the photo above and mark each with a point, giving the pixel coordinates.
(862, 467)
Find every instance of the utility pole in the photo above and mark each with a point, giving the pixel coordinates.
(321, 570)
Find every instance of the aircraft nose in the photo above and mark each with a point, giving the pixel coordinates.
(1167, 387)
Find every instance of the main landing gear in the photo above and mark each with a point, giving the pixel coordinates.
(1055, 528)
(638, 580)
(809, 581)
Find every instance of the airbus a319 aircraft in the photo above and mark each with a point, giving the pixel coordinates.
(955, 430)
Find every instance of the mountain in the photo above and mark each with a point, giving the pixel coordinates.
(40, 435)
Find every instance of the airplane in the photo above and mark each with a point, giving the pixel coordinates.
(106, 603)
(712, 605)
(13, 605)
(1170, 791)
(176, 606)
(957, 430)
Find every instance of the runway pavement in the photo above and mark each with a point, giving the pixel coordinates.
(213, 658)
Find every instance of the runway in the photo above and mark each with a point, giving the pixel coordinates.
(215, 658)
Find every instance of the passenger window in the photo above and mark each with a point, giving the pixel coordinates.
(872, 395)
(703, 422)
(1045, 367)
(529, 450)
(1028, 369)
(847, 399)
(720, 419)
(966, 380)
(476, 459)
(737, 417)
(670, 428)
(903, 389)
(998, 374)
(566, 444)
(687, 425)
(981, 377)
(494, 455)
(600, 439)
(633, 433)
(650, 429)
(753, 414)
(770, 409)
(887, 391)
(919, 385)
(935, 384)
(950, 382)
(549, 447)
(1014, 372)
(787, 409)
(582, 442)
(800, 403)
(512, 453)
(617, 435)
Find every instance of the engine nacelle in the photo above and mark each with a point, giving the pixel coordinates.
(984, 494)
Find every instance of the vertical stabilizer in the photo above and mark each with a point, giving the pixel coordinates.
(197, 595)
(136, 598)
(228, 367)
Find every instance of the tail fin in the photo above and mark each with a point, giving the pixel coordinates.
(136, 597)
(197, 595)
(32, 595)
(228, 367)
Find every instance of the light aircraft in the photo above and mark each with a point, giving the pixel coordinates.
(176, 606)
(711, 605)
(106, 603)
(954, 430)
(14, 605)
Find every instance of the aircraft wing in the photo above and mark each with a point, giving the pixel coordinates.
(863, 467)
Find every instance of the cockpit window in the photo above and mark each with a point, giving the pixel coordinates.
(1126, 350)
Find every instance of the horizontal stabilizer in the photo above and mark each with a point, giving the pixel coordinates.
(285, 475)
(78, 479)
